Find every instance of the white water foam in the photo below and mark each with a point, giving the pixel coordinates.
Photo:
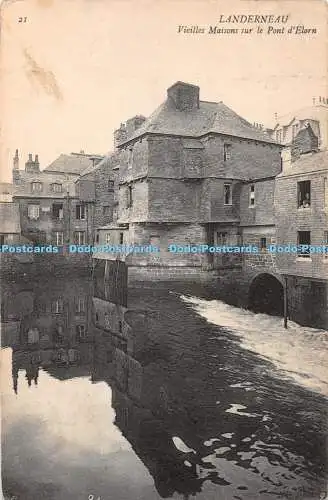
(301, 352)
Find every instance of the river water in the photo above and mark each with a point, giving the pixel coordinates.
(168, 396)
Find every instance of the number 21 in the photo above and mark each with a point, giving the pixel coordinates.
(22, 19)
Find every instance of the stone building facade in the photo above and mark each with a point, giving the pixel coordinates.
(183, 173)
(50, 210)
(301, 198)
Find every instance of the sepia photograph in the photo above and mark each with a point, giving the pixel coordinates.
(164, 249)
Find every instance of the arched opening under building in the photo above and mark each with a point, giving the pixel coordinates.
(266, 295)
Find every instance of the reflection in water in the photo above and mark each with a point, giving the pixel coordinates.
(139, 397)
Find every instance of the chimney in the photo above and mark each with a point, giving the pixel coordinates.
(286, 158)
(184, 96)
(120, 135)
(32, 166)
(133, 124)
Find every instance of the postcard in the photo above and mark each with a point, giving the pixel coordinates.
(164, 249)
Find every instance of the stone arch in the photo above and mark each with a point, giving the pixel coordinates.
(266, 294)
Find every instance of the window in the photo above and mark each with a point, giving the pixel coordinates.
(79, 237)
(33, 211)
(107, 238)
(227, 194)
(221, 238)
(294, 130)
(57, 306)
(120, 326)
(56, 187)
(226, 152)
(97, 238)
(279, 135)
(80, 305)
(263, 243)
(304, 241)
(106, 210)
(304, 194)
(58, 238)
(57, 211)
(80, 212)
(130, 158)
(121, 238)
(252, 195)
(129, 197)
(80, 331)
(325, 242)
(326, 193)
(110, 185)
(36, 187)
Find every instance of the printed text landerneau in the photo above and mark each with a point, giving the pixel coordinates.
(252, 18)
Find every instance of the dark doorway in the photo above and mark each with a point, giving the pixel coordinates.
(266, 295)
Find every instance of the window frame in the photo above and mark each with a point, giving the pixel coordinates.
(226, 151)
(55, 238)
(60, 209)
(300, 253)
(33, 186)
(77, 238)
(301, 194)
(251, 196)
(36, 206)
(227, 184)
(80, 211)
(54, 186)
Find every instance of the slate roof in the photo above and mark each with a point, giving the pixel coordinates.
(69, 164)
(209, 117)
(106, 161)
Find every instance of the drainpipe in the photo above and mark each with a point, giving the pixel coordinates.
(285, 302)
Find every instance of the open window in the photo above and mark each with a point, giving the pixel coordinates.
(304, 194)
(58, 211)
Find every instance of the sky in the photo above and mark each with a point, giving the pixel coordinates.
(76, 69)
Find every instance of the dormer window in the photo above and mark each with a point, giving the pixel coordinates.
(36, 187)
(56, 187)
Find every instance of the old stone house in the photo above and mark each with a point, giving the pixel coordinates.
(50, 210)
(183, 175)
